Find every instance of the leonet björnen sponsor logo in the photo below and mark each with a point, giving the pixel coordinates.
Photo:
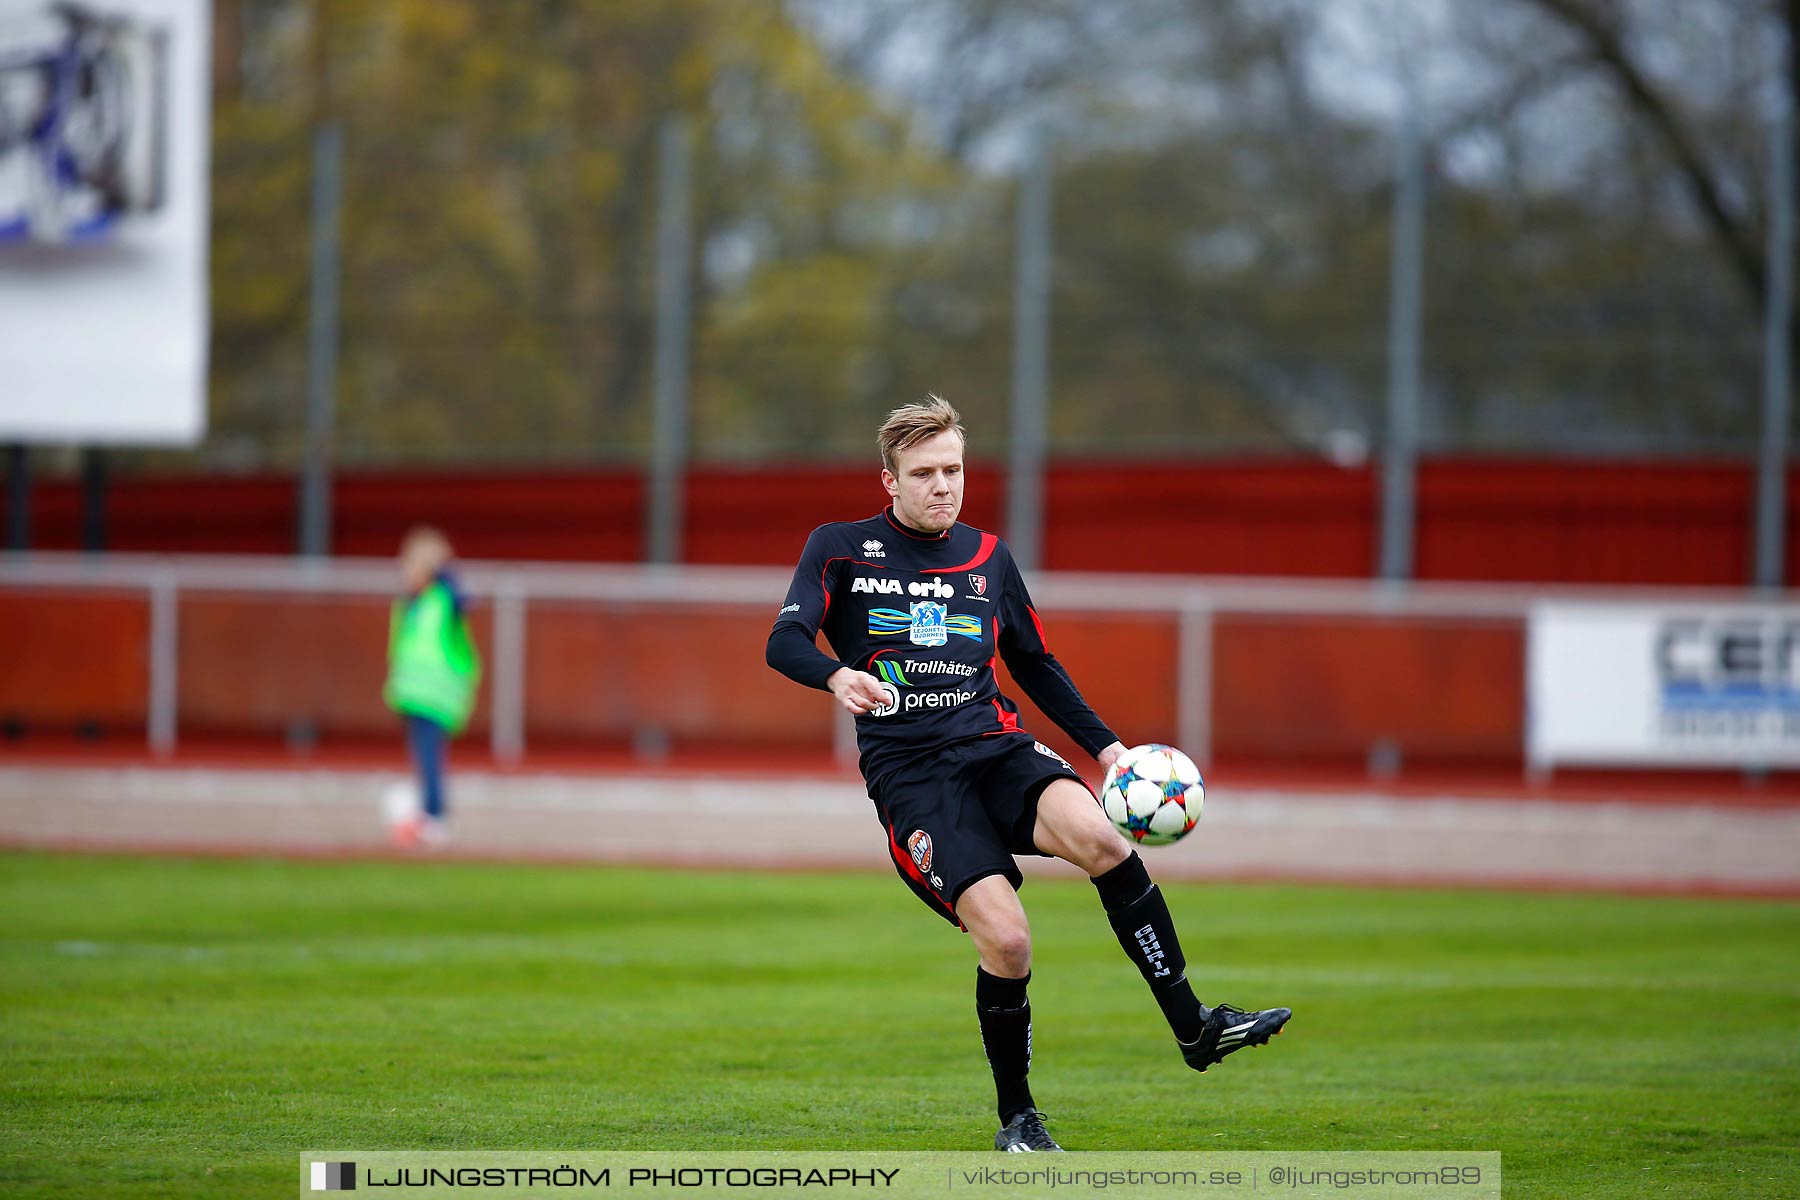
(929, 624)
(925, 623)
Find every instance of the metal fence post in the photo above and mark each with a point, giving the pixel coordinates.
(18, 496)
(93, 499)
(1193, 680)
(843, 736)
(508, 730)
(669, 424)
(1778, 309)
(165, 599)
(1031, 362)
(322, 342)
(1399, 454)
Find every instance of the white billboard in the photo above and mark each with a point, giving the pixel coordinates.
(1663, 685)
(104, 131)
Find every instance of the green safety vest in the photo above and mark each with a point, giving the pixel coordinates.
(433, 665)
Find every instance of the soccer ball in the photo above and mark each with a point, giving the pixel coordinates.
(400, 802)
(1153, 794)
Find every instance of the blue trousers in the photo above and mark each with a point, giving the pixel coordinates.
(427, 740)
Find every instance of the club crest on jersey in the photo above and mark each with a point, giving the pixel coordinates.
(979, 583)
(873, 549)
(919, 846)
(928, 628)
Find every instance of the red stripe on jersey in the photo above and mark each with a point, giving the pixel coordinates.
(1042, 640)
(988, 542)
(823, 590)
(1009, 722)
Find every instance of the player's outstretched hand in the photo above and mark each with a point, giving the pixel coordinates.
(1110, 755)
(857, 691)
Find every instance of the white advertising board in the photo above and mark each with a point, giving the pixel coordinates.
(104, 137)
(1663, 685)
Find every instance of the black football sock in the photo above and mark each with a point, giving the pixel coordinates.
(1006, 1036)
(1140, 920)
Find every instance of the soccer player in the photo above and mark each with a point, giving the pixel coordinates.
(433, 671)
(916, 607)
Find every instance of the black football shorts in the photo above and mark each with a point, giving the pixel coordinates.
(959, 814)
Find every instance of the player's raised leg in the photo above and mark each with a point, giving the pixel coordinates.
(996, 922)
(1073, 828)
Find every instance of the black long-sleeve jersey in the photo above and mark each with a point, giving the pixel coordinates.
(926, 614)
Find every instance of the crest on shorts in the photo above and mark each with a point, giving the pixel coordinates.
(919, 846)
(979, 583)
(928, 628)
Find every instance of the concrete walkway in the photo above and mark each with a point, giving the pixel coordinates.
(1349, 835)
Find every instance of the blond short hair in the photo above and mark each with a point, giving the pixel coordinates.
(911, 424)
(425, 549)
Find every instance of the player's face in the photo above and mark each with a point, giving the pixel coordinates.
(927, 482)
(413, 577)
(415, 572)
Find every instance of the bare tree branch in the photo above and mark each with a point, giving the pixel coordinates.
(1605, 43)
(1505, 103)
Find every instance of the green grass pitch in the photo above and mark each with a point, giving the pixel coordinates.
(181, 1027)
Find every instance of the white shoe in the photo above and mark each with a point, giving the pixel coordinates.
(419, 832)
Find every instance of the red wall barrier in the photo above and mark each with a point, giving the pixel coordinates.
(1275, 518)
(613, 672)
(1283, 687)
(269, 665)
(527, 515)
(260, 666)
(1518, 520)
(74, 660)
(1655, 523)
(1313, 687)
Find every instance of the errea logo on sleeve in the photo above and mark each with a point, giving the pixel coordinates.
(873, 549)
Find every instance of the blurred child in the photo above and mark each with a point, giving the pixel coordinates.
(433, 669)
